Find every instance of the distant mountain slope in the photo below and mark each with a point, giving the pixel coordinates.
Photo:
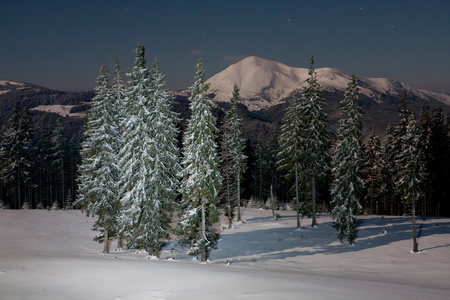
(265, 87)
(40, 99)
(265, 83)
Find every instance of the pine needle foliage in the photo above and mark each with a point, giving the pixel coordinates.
(201, 178)
(347, 165)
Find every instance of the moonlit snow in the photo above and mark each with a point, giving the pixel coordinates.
(51, 255)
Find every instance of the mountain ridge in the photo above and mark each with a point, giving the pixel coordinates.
(265, 83)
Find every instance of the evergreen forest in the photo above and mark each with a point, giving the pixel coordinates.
(138, 163)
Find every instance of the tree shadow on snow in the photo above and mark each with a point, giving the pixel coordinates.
(285, 242)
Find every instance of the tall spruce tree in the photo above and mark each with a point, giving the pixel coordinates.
(164, 155)
(134, 160)
(148, 158)
(393, 148)
(289, 154)
(233, 159)
(238, 145)
(226, 170)
(201, 178)
(426, 121)
(347, 165)
(119, 93)
(439, 165)
(99, 170)
(411, 170)
(314, 137)
(374, 170)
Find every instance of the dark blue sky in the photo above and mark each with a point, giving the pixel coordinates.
(61, 44)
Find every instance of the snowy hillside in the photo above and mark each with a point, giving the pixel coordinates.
(62, 110)
(9, 82)
(51, 255)
(8, 85)
(38, 98)
(265, 83)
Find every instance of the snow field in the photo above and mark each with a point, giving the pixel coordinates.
(51, 255)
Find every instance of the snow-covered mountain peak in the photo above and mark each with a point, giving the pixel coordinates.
(264, 83)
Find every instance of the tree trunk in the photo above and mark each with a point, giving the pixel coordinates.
(239, 197)
(19, 206)
(203, 257)
(272, 202)
(62, 193)
(413, 212)
(296, 197)
(120, 242)
(371, 197)
(260, 182)
(153, 252)
(313, 189)
(230, 206)
(106, 242)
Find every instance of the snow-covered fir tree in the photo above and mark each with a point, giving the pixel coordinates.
(148, 158)
(347, 166)
(393, 148)
(374, 178)
(226, 171)
(314, 137)
(201, 178)
(98, 173)
(119, 90)
(233, 159)
(238, 144)
(289, 159)
(411, 170)
(164, 154)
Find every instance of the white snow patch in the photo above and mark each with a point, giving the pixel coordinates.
(62, 110)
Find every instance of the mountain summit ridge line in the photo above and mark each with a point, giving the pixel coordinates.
(264, 83)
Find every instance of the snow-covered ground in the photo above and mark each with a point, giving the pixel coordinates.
(51, 255)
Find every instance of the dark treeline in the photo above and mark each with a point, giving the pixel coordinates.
(379, 195)
(38, 161)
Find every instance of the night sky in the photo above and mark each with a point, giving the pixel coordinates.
(61, 44)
